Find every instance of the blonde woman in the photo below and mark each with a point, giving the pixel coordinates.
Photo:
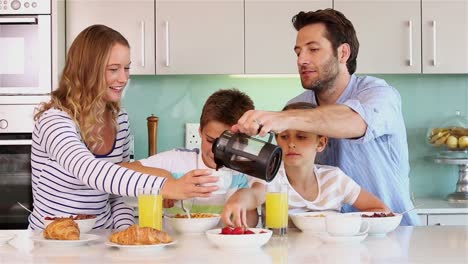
(82, 133)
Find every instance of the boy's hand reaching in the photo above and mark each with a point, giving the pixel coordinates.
(234, 213)
(190, 185)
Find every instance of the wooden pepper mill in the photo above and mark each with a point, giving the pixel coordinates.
(152, 134)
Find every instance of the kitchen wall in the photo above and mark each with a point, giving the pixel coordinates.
(176, 100)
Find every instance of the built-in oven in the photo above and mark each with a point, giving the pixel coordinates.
(15, 180)
(16, 125)
(25, 47)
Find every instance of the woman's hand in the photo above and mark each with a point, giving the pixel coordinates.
(190, 185)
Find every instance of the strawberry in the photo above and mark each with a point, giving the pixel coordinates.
(226, 230)
(238, 231)
(262, 232)
(249, 232)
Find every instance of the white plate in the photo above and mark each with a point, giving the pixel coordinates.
(84, 239)
(5, 238)
(342, 239)
(140, 247)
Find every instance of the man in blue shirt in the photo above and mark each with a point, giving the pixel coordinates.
(361, 115)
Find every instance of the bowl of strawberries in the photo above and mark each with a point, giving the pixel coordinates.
(238, 237)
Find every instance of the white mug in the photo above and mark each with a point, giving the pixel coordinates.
(224, 180)
(345, 225)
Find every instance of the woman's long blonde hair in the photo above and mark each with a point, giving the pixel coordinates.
(83, 85)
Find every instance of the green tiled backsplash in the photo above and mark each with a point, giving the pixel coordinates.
(177, 100)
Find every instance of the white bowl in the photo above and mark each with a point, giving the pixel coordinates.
(239, 241)
(85, 225)
(193, 225)
(379, 226)
(311, 222)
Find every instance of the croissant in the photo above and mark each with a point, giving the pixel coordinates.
(135, 235)
(62, 229)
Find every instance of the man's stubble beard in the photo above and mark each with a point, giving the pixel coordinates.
(329, 72)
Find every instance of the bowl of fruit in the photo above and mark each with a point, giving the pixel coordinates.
(238, 237)
(450, 137)
(381, 223)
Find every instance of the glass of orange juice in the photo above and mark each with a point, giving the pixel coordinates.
(277, 208)
(150, 208)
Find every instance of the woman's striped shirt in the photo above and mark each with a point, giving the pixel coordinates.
(68, 179)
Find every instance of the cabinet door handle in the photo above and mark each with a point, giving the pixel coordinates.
(410, 42)
(142, 34)
(434, 43)
(168, 61)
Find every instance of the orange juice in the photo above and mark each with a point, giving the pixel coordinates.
(150, 210)
(277, 210)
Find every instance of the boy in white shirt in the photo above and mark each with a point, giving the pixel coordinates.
(221, 110)
(311, 186)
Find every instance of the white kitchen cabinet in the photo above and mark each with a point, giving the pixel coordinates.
(445, 36)
(389, 34)
(447, 219)
(199, 37)
(133, 19)
(270, 36)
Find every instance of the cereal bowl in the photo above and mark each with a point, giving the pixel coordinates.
(381, 223)
(311, 222)
(85, 222)
(247, 241)
(198, 223)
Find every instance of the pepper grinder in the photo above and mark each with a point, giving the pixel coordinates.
(152, 122)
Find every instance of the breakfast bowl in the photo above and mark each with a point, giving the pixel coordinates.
(254, 238)
(197, 223)
(311, 222)
(85, 222)
(381, 223)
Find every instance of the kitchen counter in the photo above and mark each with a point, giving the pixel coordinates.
(439, 206)
(434, 244)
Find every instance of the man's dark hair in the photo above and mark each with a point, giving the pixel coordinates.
(339, 30)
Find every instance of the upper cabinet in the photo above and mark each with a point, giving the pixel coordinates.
(134, 19)
(445, 36)
(270, 36)
(389, 34)
(391, 40)
(199, 37)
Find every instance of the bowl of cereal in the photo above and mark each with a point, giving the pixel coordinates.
(311, 222)
(85, 222)
(197, 223)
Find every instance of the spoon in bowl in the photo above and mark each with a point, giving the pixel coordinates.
(186, 206)
(409, 210)
(24, 207)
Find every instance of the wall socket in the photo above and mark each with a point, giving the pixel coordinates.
(192, 137)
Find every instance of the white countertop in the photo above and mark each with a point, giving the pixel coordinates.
(439, 206)
(433, 244)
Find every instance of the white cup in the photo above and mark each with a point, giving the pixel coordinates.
(345, 225)
(224, 180)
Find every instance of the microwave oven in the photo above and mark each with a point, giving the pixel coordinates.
(25, 48)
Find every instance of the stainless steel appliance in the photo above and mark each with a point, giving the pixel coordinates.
(16, 124)
(25, 47)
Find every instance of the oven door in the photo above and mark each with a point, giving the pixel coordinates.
(15, 180)
(25, 53)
